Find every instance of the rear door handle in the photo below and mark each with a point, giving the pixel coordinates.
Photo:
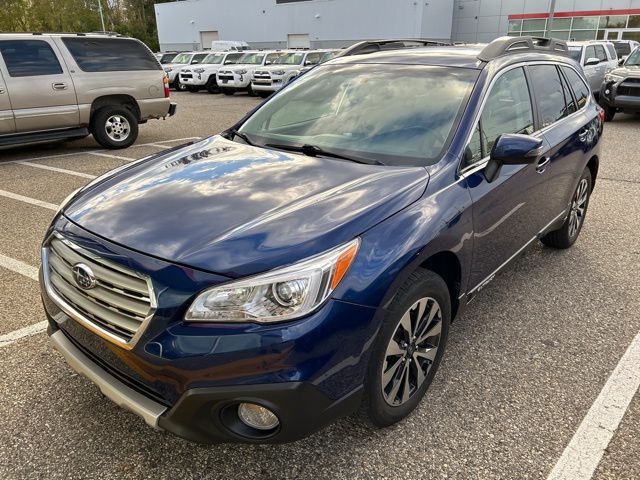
(585, 135)
(542, 165)
(59, 86)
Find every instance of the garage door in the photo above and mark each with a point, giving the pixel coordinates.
(207, 37)
(298, 40)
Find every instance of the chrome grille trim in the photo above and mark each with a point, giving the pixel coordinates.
(118, 308)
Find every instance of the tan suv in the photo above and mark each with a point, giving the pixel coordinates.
(67, 86)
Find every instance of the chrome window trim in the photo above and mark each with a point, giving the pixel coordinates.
(79, 317)
(480, 164)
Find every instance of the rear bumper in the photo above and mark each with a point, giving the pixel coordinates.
(154, 108)
(209, 415)
(172, 109)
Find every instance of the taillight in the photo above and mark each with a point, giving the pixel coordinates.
(165, 81)
(601, 115)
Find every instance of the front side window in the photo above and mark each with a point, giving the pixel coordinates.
(580, 89)
(312, 59)
(30, 58)
(590, 53)
(507, 109)
(634, 58)
(183, 58)
(394, 114)
(271, 58)
(549, 94)
(600, 53)
(110, 54)
(199, 58)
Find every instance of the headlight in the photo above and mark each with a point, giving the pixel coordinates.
(278, 72)
(198, 70)
(240, 72)
(611, 77)
(67, 200)
(281, 294)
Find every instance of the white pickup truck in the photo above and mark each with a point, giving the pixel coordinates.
(238, 78)
(269, 79)
(203, 75)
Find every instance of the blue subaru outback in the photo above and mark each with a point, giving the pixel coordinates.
(308, 262)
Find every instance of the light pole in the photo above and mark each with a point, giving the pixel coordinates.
(552, 11)
(101, 17)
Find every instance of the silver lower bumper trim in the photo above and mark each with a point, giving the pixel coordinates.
(111, 387)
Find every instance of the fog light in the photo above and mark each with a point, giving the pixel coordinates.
(257, 417)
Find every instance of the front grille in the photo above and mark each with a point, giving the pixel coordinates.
(225, 77)
(631, 86)
(186, 75)
(119, 301)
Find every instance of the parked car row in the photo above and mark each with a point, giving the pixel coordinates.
(620, 88)
(258, 72)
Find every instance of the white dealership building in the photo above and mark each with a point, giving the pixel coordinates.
(193, 24)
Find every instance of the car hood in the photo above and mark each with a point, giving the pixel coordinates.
(236, 210)
(627, 71)
(271, 68)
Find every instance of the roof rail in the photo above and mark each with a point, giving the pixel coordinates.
(509, 45)
(372, 46)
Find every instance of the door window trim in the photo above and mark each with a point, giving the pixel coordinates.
(464, 172)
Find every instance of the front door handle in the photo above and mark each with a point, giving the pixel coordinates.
(59, 86)
(542, 165)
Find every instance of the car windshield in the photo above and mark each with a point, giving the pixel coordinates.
(575, 53)
(167, 58)
(232, 58)
(289, 59)
(393, 114)
(183, 58)
(634, 58)
(251, 59)
(271, 58)
(622, 48)
(213, 58)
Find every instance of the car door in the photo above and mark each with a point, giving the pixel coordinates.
(7, 124)
(42, 92)
(569, 132)
(509, 211)
(592, 72)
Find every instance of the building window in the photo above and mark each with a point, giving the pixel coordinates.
(613, 21)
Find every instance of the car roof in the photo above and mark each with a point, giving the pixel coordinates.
(456, 56)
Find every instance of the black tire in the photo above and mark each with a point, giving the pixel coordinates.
(263, 94)
(375, 407)
(193, 88)
(212, 86)
(250, 91)
(567, 234)
(609, 111)
(102, 125)
(228, 91)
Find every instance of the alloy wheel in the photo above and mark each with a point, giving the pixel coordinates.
(411, 351)
(117, 128)
(578, 207)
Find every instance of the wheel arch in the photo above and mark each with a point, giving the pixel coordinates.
(447, 265)
(126, 101)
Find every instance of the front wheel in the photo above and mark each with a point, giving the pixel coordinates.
(609, 111)
(408, 349)
(212, 86)
(228, 91)
(181, 87)
(193, 88)
(114, 127)
(568, 233)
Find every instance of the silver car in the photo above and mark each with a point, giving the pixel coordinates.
(596, 58)
(67, 86)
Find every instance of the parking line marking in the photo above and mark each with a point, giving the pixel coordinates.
(19, 267)
(157, 145)
(16, 335)
(108, 155)
(584, 452)
(55, 169)
(32, 201)
(167, 141)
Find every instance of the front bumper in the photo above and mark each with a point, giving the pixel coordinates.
(262, 86)
(234, 81)
(622, 95)
(195, 79)
(209, 415)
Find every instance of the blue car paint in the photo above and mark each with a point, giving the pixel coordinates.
(290, 207)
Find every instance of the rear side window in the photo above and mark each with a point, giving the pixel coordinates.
(568, 99)
(29, 58)
(549, 93)
(110, 54)
(590, 53)
(580, 89)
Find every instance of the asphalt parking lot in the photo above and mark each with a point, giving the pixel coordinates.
(524, 365)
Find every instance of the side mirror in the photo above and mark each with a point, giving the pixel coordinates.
(591, 61)
(512, 149)
(195, 62)
(307, 62)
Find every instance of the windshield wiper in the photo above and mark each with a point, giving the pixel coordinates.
(235, 133)
(314, 151)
